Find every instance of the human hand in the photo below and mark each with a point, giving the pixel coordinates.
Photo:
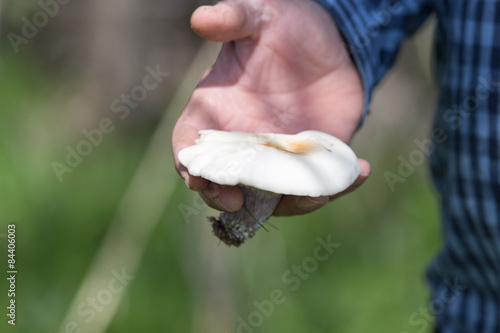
(283, 69)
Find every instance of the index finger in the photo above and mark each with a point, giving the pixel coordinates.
(194, 118)
(227, 198)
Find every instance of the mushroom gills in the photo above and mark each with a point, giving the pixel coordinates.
(233, 228)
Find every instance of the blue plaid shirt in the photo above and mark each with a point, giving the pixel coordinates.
(465, 163)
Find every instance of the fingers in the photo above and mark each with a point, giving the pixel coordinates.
(226, 21)
(184, 135)
(226, 198)
(186, 131)
(363, 176)
(294, 205)
(220, 197)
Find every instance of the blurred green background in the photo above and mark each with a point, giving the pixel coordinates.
(119, 244)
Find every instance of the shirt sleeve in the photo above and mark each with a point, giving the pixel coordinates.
(374, 30)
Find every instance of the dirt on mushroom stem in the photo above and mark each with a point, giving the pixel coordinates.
(233, 228)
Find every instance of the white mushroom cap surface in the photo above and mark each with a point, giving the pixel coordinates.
(309, 163)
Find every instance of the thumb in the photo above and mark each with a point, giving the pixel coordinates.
(226, 21)
(363, 176)
(294, 205)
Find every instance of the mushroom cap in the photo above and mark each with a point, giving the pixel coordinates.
(309, 163)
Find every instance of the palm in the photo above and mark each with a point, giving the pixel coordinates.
(281, 76)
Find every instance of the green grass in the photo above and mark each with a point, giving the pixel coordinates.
(187, 281)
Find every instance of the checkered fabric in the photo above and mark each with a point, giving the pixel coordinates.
(465, 163)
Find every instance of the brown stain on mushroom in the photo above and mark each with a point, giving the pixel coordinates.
(300, 147)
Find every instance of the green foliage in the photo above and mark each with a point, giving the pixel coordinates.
(187, 281)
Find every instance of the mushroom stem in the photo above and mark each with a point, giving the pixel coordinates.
(233, 228)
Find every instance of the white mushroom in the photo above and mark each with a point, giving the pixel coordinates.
(265, 167)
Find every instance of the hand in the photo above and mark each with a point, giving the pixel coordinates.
(282, 68)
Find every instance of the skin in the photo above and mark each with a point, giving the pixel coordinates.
(283, 68)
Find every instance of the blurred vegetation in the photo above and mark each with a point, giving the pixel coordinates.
(187, 281)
